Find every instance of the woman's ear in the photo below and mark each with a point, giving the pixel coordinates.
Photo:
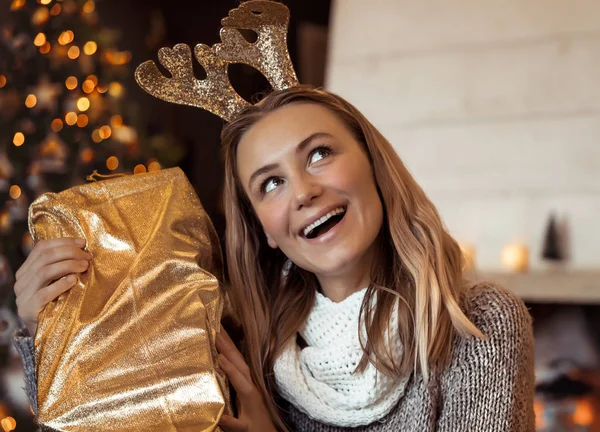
(271, 241)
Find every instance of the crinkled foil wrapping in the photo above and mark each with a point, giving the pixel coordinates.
(131, 346)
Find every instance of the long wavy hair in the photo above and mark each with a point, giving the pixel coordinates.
(418, 265)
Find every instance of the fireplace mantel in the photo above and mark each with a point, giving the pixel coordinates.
(552, 286)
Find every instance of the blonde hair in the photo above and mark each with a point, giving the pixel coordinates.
(418, 265)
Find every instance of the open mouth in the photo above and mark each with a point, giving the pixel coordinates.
(324, 224)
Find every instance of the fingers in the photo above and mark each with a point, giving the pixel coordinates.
(226, 347)
(40, 299)
(47, 274)
(30, 308)
(231, 424)
(49, 251)
(242, 385)
(49, 257)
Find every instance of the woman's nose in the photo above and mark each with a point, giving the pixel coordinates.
(305, 191)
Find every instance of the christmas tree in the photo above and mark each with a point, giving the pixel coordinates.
(63, 115)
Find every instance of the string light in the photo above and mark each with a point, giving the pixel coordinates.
(56, 125)
(55, 9)
(19, 139)
(30, 101)
(5, 225)
(45, 2)
(2, 80)
(90, 47)
(8, 424)
(88, 86)
(139, 169)
(40, 16)
(73, 52)
(112, 163)
(89, 6)
(116, 121)
(87, 155)
(83, 103)
(82, 120)
(17, 4)
(45, 49)
(101, 89)
(96, 136)
(115, 89)
(93, 78)
(71, 118)
(117, 58)
(40, 39)
(105, 132)
(14, 192)
(66, 37)
(71, 83)
(153, 166)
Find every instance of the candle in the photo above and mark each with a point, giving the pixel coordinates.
(468, 252)
(515, 257)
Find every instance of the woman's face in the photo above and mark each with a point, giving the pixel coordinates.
(312, 187)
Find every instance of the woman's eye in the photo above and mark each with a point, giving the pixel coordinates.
(270, 184)
(319, 153)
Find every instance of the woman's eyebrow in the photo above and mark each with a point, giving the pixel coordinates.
(299, 149)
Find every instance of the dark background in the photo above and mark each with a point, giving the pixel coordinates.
(199, 22)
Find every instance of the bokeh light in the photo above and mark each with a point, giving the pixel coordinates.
(83, 104)
(56, 125)
(14, 192)
(71, 118)
(30, 101)
(73, 52)
(71, 83)
(19, 139)
(82, 120)
(90, 48)
(112, 163)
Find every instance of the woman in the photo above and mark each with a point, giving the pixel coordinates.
(350, 292)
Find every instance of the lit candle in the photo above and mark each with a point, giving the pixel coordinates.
(515, 257)
(468, 252)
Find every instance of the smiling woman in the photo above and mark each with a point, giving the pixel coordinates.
(350, 291)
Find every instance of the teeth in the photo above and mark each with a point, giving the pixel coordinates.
(322, 220)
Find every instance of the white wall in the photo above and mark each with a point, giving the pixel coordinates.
(493, 105)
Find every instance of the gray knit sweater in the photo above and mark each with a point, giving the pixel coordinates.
(487, 387)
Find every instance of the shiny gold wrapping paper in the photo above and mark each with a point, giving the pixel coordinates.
(131, 346)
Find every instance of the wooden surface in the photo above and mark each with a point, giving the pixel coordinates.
(552, 286)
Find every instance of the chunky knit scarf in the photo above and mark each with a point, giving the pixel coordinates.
(320, 379)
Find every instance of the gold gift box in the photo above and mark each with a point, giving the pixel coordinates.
(131, 346)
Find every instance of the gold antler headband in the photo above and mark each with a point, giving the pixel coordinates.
(269, 55)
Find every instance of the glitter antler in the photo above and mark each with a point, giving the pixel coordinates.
(269, 55)
(214, 93)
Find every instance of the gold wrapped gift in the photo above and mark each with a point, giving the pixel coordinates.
(131, 346)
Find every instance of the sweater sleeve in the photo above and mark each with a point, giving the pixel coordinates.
(490, 384)
(23, 342)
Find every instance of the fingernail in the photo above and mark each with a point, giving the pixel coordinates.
(71, 279)
(80, 242)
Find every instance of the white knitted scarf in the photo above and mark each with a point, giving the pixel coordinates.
(319, 379)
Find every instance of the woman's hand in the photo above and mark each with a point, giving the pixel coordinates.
(253, 415)
(50, 269)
